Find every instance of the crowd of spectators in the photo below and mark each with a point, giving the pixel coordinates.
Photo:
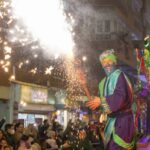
(50, 135)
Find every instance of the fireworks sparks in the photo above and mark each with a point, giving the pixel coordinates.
(7, 49)
(74, 88)
(48, 25)
(45, 30)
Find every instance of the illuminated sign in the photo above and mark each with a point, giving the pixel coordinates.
(34, 94)
(38, 96)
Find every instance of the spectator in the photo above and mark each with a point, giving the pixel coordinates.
(34, 144)
(19, 128)
(51, 141)
(3, 143)
(31, 130)
(9, 134)
(43, 130)
(2, 121)
(24, 143)
(1, 134)
(7, 147)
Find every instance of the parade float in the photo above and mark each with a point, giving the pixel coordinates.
(143, 84)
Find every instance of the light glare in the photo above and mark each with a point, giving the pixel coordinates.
(47, 23)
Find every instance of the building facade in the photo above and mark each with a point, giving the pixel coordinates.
(103, 24)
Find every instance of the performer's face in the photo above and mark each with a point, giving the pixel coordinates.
(108, 65)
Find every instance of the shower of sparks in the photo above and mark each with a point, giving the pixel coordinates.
(7, 49)
(30, 22)
(74, 88)
(53, 33)
(46, 21)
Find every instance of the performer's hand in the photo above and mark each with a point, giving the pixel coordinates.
(94, 103)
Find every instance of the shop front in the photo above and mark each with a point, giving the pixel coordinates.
(4, 102)
(31, 103)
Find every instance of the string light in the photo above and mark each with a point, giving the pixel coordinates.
(34, 71)
(6, 69)
(6, 57)
(27, 61)
(22, 103)
(84, 58)
(1, 62)
(12, 77)
(7, 63)
(35, 55)
(48, 70)
(20, 65)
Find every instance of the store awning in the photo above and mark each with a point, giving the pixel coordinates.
(36, 108)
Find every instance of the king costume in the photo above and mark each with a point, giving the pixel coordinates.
(116, 101)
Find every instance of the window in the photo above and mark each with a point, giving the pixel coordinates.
(107, 25)
(115, 26)
(99, 26)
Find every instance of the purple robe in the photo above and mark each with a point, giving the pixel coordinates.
(119, 101)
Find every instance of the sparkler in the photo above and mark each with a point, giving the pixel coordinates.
(47, 23)
(43, 22)
(81, 77)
